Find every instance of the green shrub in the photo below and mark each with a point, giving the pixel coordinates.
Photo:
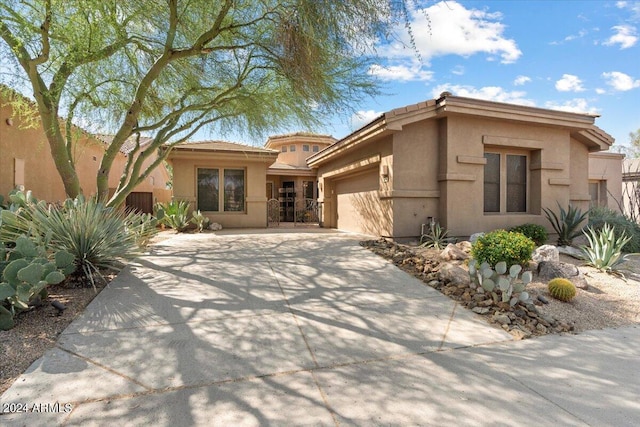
(605, 248)
(600, 215)
(562, 289)
(535, 232)
(567, 225)
(501, 245)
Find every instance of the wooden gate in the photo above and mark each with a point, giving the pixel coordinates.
(141, 202)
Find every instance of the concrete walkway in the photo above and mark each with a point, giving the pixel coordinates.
(308, 328)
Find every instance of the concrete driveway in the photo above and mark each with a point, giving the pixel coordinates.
(308, 328)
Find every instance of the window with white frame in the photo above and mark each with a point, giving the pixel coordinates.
(598, 192)
(305, 147)
(212, 196)
(505, 182)
(316, 148)
(292, 148)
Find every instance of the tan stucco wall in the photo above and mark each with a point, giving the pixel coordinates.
(607, 167)
(349, 165)
(184, 185)
(436, 169)
(30, 146)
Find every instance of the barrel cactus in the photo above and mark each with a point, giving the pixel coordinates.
(562, 289)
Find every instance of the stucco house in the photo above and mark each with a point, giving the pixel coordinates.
(472, 165)
(224, 180)
(25, 159)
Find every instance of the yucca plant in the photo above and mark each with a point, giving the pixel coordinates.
(436, 237)
(605, 248)
(567, 225)
(98, 236)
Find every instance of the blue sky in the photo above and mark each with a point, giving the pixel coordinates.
(580, 56)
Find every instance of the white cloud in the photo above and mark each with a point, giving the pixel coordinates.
(569, 83)
(403, 73)
(600, 91)
(576, 105)
(361, 118)
(458, 70)
(620, 81)
(625, 36)
(489, 93)
(448, 28)
(521, 80)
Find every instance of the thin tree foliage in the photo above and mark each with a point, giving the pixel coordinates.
(167, 68)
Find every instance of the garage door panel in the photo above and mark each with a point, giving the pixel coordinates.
(358, 203)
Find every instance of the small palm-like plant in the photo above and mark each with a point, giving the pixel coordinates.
(567, 225)
(605, 248)
(436, 237)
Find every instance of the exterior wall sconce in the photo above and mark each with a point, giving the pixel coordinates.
(384, 173)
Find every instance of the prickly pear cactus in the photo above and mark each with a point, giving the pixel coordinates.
(509, 283)
(25, 275)
(562, 289)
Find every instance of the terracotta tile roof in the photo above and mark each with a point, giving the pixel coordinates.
(128, 145)
(221, 146)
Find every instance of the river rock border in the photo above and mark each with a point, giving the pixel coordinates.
(447, 272)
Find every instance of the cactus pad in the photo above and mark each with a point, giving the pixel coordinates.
(562, 289)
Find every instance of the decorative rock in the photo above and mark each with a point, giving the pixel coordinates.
(474, 237)
(453, 274)
(480, 310)
(502, 318)
(548, 270)
(215, 226)
(452, 252)
(465, 246)
(520, 334)
(543, 299)
(571, 251)
(546, 253)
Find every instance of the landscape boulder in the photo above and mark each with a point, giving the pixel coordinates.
(548, 270)
(453, 252)
(546, 253)
(454, 274)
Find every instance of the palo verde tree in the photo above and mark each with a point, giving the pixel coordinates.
(167, 68)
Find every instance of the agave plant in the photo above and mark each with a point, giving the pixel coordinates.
(436, 237)
(567, 226)
(605, 248)
(174, 214)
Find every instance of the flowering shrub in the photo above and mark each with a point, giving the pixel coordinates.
(501, 245)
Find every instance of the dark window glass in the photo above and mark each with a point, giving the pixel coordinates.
(492, 183)
(208, 193)
(316, 148)
(516, 183)
(305, 148)
(234, 190)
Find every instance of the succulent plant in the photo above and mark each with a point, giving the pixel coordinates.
(511, 287)
(562, 289)
(26, 273)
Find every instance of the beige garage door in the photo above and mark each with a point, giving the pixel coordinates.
(358, 203)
